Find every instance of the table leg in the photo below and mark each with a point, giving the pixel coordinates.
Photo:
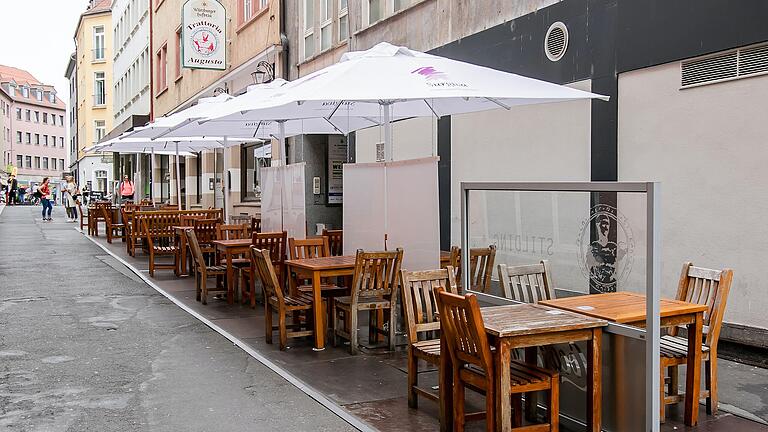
(594, 381)
(252, 288)
(531, 399)
(317, 310)
(693, 371)
(230, 279)
(183, 254)
(446, 388)
(502, 383)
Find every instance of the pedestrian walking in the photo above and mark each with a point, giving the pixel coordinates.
(22, 192)
(45, 197)
(13, 186)
(85, 193)
(69, 198)
(126, 189)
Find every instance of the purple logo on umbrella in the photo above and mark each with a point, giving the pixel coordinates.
(430, 73)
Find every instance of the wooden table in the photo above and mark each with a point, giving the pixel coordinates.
(230, 248)
(316, 269)
(525, 326)
(181, 242)
(629, 308)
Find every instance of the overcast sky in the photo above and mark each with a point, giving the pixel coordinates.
(38, 37)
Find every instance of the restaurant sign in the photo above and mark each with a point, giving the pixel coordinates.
(204, 35)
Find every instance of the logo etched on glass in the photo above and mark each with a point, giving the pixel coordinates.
(606, 248)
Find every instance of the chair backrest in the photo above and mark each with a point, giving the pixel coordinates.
(194, 246)
(418, 289)
(335, 241)
(480, 266)
(707, 287)
(106, 213)
(239, 219)
(189, 220)
(308, 248)
(275, 242)
(464, 331)
(376, 274)
(231, 231)
(158, 226)
(261, 261)
(527, 283)
(255, 225)
(205, 230)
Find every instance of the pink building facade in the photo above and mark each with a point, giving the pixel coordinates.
(35, 127)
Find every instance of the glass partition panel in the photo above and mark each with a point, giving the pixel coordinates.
(570, 241)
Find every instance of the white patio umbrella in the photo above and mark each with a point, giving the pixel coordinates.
(179, 147)
(388, 82)
(163, 125)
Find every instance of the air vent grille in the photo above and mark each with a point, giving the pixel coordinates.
(728, 65)
(556, 41)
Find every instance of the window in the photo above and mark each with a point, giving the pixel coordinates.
(343, 21)
(45, 163)
(61, 142)
(45, 118)
(45, 140)
(19, 161)
(162, 69)
(29, 115)
(98, 43)
(53, 119)
(28, 161)
(326, 21)
(375, 10)
(18, 136)
(39, 95)
(54, 164)
(100, 129)
(52, 97)
(37, 116)
(37, 139)
(18, 113)
(99, 89)
(61, 163)
(254, 157)
(179, 49)
(29, 138)
(309, 27)
(25, 91)
(37, 162)
(61, 118)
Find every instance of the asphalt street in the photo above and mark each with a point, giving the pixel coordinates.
(85, 345)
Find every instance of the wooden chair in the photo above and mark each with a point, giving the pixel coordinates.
(527, 283)
(83, 218)
(374, 288)
(160, 240)
(474, 365)
(231, 231)
(204, 271)
(702, 286)
(97, 216)
(112, 229)
(189, 220)
(418, 291)
(480, 267)
(335, 241)
(276, 243)
(205, 230)
(284, 305)
(240, 219)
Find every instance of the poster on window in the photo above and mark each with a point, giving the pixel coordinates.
(204, 35)
(337, 155)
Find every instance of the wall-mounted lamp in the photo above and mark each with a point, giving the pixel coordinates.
(264, 73)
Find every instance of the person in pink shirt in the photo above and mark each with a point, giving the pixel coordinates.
(126, 189)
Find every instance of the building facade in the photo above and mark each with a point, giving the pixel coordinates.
(254, 48)
(34, 126)
(5, 137)
(71, 75)
(674, 94)
(93, 38)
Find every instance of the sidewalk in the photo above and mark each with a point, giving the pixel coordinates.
(87, 346)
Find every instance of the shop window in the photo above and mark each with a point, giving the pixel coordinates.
(254, 157)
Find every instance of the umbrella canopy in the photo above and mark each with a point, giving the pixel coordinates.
(166, 124)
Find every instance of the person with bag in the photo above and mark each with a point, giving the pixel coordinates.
(70, 198)
(126, 189)
(45, 197)
(13, 186)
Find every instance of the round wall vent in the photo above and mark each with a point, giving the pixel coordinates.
(556, 41)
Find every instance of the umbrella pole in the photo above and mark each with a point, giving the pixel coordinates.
(284, 160)
(225, 178)
(387, 133)
(281, 133)
(178, 176)
(152, 176)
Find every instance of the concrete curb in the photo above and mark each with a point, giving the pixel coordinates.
(296, 382)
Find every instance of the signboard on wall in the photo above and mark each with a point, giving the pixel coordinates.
(337, 156)
(204, 35)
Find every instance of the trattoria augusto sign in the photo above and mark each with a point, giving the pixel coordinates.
(204, 35)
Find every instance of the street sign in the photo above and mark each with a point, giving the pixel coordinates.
(204, 35)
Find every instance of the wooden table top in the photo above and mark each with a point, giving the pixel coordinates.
(621, 307)
(529, 319)
(324, 263)
(228, 244)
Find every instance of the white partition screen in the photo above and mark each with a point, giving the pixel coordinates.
(283, 202)
(398, 200)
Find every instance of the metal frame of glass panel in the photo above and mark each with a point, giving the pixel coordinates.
(651, 334)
